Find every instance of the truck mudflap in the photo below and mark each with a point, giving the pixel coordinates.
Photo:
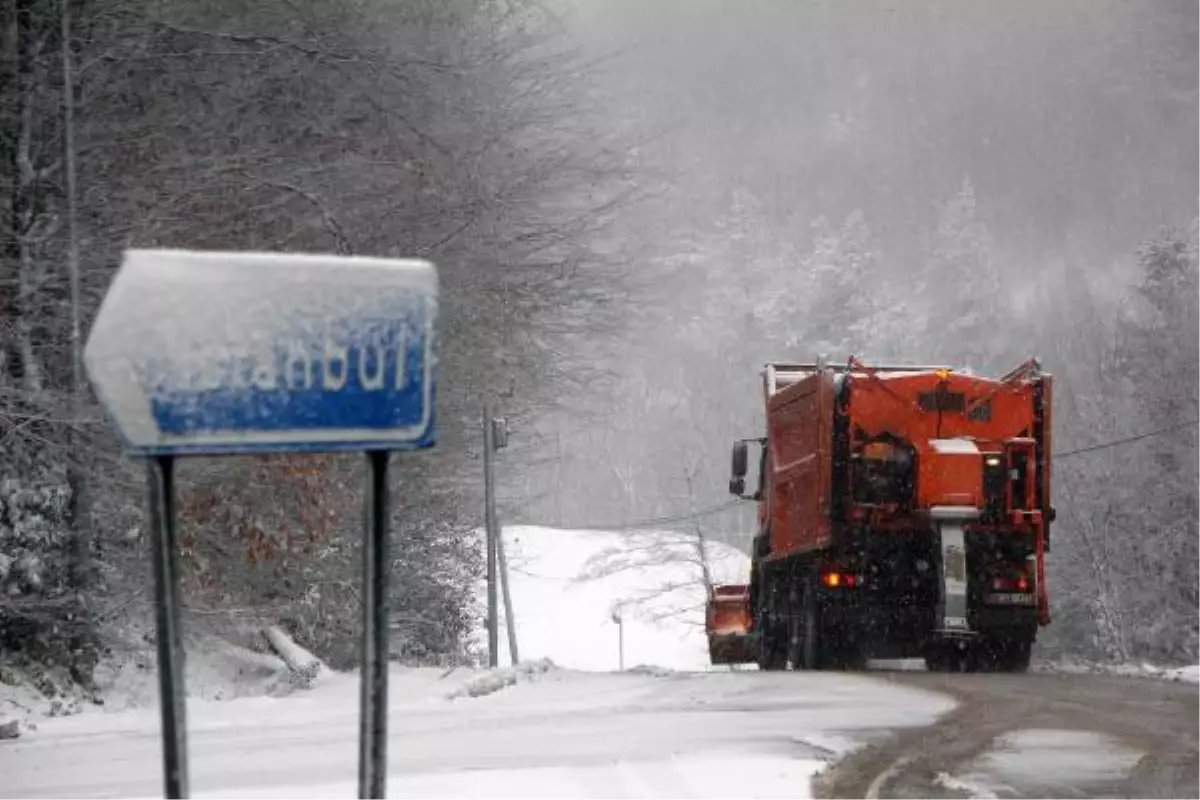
(1043, 591)
(727, 623)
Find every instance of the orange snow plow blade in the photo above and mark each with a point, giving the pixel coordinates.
(727, 623)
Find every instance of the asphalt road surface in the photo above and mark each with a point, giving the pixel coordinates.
(1085, 736)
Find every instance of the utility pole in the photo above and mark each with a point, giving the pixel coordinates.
(495, 437)
(499, 442)
(509, 626)
(489, 521)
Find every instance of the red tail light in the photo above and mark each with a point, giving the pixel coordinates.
(833, 580)
(1020, 584)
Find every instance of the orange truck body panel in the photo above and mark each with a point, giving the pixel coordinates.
(799, 429)
(726, 623)
(798, 500)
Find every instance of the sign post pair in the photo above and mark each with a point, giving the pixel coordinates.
(236, 353)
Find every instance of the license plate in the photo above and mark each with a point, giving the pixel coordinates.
(1009, 599)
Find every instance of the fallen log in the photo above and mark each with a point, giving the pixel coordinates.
(303, 667)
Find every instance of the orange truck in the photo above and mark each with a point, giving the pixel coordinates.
(902, 512)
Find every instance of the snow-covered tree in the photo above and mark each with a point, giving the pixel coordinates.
(961, 292)
(1159, 356)
(843, 269)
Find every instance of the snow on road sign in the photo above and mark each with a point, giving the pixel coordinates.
(235, 352)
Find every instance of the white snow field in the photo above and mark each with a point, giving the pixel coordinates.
(565, 585)
(577, 729)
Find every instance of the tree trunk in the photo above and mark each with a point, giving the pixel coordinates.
(298, 659)
(24, 217)
(11, 97)
(79, 510)
(705, 569)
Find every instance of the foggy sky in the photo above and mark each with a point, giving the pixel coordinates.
(1075, 121)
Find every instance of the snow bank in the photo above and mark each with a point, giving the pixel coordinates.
(495, 680)
(566, 585)
(20, 707)
(214, 670)
(126, 678)
(1188, 674)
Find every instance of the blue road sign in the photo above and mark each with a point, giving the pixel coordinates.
(234, 352)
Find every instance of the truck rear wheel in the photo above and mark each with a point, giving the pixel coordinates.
(772, 655)
(1003, 655)
(986, 655)
(811, 655)
(771, 651)
(946, 657)
(1017, 656)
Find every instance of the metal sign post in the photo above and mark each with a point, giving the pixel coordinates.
(618, 616)
(172, 695)
(372, 754)
(300, 353)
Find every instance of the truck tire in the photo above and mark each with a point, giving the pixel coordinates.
(772, 655)
(811, 653)
(795, 628)
(843, 652)
(771, 652)
(1004, 655)
(1017, 655)
(947, 657)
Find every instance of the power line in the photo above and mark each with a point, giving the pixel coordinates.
(652, 522)
(1126, 440)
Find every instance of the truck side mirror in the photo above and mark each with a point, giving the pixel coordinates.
(739, 459)
(737, 486)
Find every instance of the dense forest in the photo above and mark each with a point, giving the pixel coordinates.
(462, 132)
(632, 206)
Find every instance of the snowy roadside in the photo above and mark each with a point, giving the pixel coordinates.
(1186, 674)
(565, 586)
(125, 680)
(565, 722)
(534, 730)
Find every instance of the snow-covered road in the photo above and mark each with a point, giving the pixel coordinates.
(1036, 735)
(552, 734)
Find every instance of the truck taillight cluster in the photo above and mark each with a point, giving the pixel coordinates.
(840, 580)
(1020, 584)
(1013, 587)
